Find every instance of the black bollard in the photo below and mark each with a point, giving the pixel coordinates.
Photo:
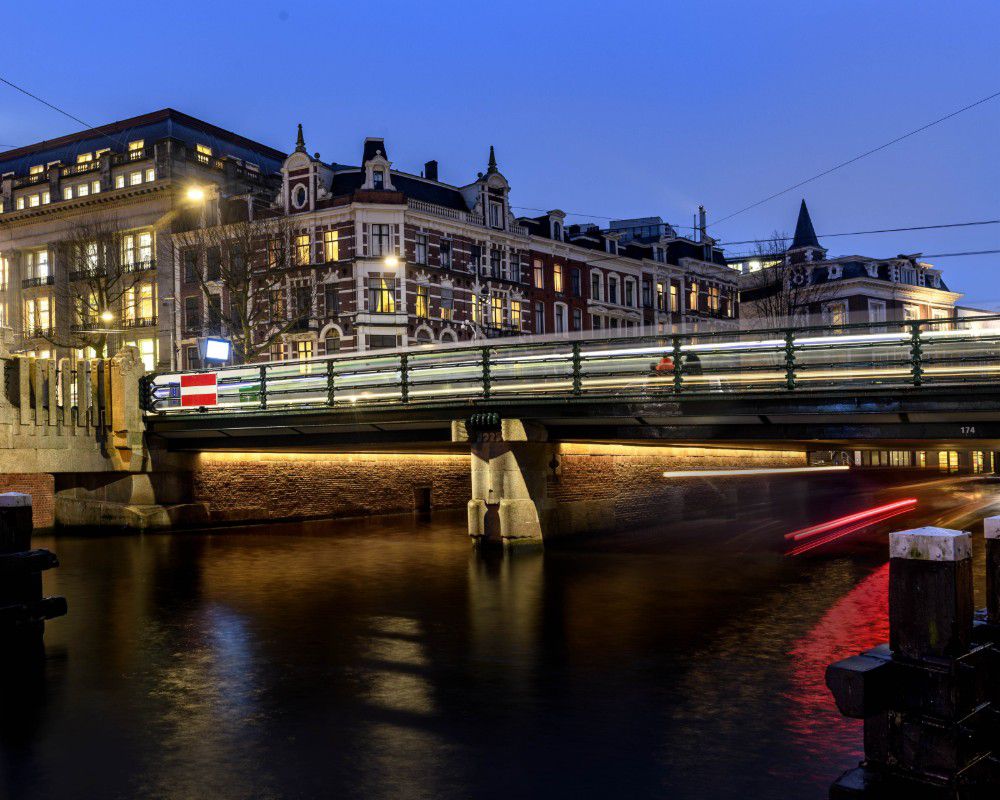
(23, 609)
(928, 700)
(991, 531)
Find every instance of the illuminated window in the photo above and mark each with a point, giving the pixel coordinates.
(302, 249)
(119, 181)
(46, 198)
(422, 309)
(20, 203)
(496, 311)
(331, 246)
(539, 274)
(203, 150)
(515, 313)
(713, 299)
(304, 349)
(37, 169)
(84, 158)
(693, 296)
(381, 295)
(835, 313)
(136, 144)
(557, 277)
(146, 247)
(102, 151)
(447, 302)
(135, 178)
(34, 200)
(977, 461)
(660, 296)
(150, 175)
(67, 193)
(38, 264)
(95, 187)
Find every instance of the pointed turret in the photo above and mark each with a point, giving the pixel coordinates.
(805, 233)
(300, 141)
(492, 167)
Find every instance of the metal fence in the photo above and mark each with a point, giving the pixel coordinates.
(909, 354)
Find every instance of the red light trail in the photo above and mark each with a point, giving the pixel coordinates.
(844, 526)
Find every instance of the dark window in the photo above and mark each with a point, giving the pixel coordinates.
(192, 314)
(380, 240)
(190, 259)
(647, 294)
(378, 179)
(420, 248)
(193, 361)
(495, 262)
(303, 301)
(539, 318)
(213, 264)
(475, 256)
(446, 253)
(214, 327)
(330, 298)
(574, 282)
(375, 342)
(577, 319)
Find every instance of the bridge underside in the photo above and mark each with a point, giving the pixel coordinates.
(946, 417)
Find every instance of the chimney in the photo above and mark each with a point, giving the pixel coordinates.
(431, 170)
(701, 224)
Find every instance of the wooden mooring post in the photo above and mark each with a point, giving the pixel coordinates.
(23, 609)
(930, 698)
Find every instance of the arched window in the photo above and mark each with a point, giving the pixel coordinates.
(332, 342)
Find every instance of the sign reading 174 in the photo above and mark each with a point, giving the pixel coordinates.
(968, 430)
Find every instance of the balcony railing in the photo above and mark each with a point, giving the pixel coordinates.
(140, 266)
(30, 180)
(42, 280)
(79, 169)
(37, 333)
(139, 322)
(130, 155)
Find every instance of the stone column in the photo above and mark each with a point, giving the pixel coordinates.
(510, 465)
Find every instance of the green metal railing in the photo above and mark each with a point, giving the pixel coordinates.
(911, 354)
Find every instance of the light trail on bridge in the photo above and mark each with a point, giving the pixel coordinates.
(836, 529)
(737, 473)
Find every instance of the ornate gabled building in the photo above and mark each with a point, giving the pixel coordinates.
(388, 258)
(825, 290)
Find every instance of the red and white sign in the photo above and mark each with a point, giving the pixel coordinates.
(200, 389)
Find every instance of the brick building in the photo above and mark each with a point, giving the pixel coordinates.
(388, 258)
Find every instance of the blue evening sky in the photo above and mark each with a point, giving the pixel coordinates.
(614, 109)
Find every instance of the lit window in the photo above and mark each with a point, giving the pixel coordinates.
(95, 187)
(119, 181)
(675, 298)
(102, 151)
(136, 144)
(515, 313)
(20, 203)
(381, 295)
(150, 175)
(422, 309)
(331, 246)
(37, 169)
(84, 158)
(134, 178)
(67, 193)
(539, 274)
(557, 277)
(203, 149)
(302, 249)
(146, 247)
(304, 349)
(496, 311)
(693, 296)
(83, 190)
(34, 200)
(46, 198)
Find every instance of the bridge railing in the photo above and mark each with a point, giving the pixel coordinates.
(901, 354)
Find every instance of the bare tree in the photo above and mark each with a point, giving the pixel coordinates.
(776, 292)
(242, 267)
(107, 283)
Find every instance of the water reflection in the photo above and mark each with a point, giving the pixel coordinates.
(385, 659)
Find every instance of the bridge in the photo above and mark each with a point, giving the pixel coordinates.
(923, 384)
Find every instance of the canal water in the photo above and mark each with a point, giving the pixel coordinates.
(385, 659)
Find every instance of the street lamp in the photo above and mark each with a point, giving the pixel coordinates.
(107, 317)
(391, 262)
(195, 194)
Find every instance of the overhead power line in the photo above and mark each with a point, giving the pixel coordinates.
(879, 230)
(857, 158)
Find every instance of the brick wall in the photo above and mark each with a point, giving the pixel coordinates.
(633, 477)
(260, 486)
(41, 487)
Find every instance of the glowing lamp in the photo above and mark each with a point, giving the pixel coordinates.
(107, 316)
(391, 261)
(196, 194)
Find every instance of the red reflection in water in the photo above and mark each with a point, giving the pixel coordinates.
(856, 622)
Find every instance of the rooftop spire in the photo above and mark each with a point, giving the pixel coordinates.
(300, 141)
(805, 233)
(492, 167)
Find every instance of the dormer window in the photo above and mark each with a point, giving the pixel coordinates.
(496, 215)
(300, 196)
(37, 169)
(557, 230)
(612, 246)
(378, 180)
(84, 158)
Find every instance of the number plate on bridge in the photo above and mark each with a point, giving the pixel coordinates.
(200, 389)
